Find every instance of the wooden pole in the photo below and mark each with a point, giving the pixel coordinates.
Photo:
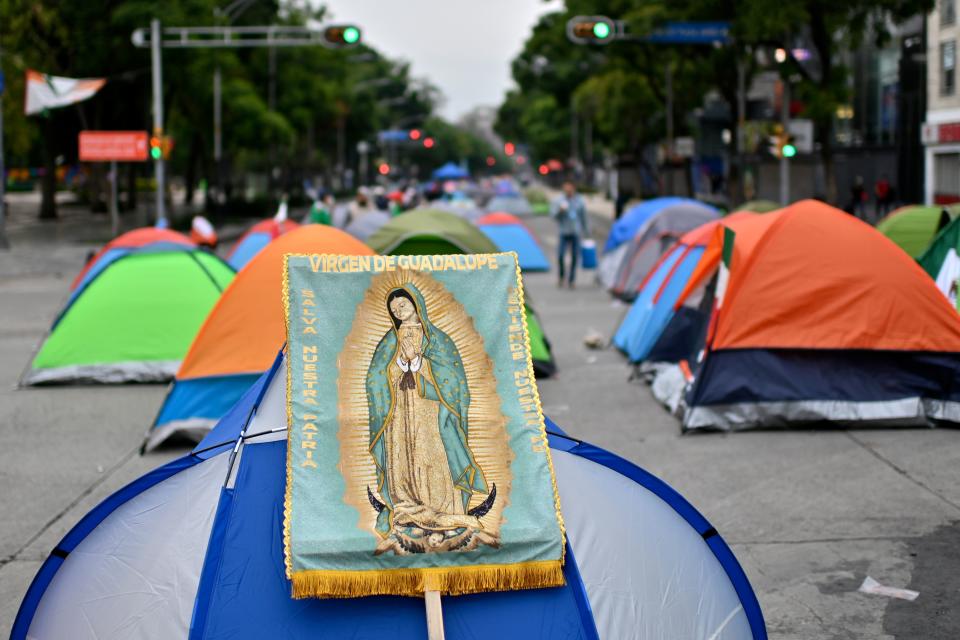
(434, 615)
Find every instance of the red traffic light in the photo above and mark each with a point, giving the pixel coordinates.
(509, 148)
(544, 169)
(415, 134)
(384, 168)
(428, 143)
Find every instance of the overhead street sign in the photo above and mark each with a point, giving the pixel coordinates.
(691, 33)
(113, 146)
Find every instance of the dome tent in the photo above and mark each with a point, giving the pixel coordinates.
(132, 322)
(429, 231)
(865, 337)
(193, 549)
(426, 232)
(624, 269)
(256, 238)
(914, 227)
(758, 206)
(240, 337)
(664, 296)
(153, 237)
(509, 234)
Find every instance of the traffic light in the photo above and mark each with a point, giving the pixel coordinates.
(788, 150)
(166, 147)
(591, 30)
(341, 35)
(428, 143)
(509, 148)
(543, 169)
(415, 134)
(383, 169)
(782, 143)
(156, 147)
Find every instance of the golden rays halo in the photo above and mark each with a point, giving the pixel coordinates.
(486, 425)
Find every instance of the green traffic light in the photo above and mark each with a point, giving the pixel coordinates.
(155, 153)
(351, 35)
(789, 151)
(601, 30)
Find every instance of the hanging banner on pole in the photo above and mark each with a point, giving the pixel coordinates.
(51, 92)
(417, 454)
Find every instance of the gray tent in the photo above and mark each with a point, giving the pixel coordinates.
(514, 204)
(367, 224)
(623, 270)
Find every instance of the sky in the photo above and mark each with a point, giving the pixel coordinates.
(464, 47)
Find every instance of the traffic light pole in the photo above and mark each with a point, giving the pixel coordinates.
(784, 161)
(157, 68)
(222, 38)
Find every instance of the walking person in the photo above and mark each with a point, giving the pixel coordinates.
(570, 212)
(858, 194)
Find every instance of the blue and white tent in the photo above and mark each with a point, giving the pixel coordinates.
(510, 234)
(194, 550)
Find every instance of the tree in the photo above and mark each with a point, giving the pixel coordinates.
(829, 27)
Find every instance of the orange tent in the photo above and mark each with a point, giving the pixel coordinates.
(818, 316)
(239, 339)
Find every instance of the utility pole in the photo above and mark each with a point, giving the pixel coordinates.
(332, 37)
(218, 131)
(784, 161)
(4, 243)
(158, 118)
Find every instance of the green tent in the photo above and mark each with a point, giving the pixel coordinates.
(914, 227)
(134, 321)
(433, 232)
(429, 232)
(941, 261)
(758, 206)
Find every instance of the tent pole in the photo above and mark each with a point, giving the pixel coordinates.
(434, 615)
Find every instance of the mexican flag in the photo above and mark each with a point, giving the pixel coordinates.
(50, 92)
(942, 261)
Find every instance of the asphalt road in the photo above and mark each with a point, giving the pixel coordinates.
(808, 513)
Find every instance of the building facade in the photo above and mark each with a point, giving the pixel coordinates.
(941, 130)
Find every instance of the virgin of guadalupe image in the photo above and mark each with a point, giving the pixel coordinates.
(418, 402)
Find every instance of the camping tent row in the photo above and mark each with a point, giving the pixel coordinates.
(238, 340)
(194, 549)
(132, 316)
(510, 234)
(638, 239)
(256, 238)
(808, 315)
(240, 337)
(660, 325)
(426, 232)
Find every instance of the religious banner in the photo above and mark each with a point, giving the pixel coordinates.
(417, 454)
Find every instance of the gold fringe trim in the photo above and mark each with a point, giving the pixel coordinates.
(317, 583)
(545, 442)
